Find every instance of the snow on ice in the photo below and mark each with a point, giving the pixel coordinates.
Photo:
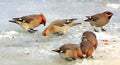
(19, 47)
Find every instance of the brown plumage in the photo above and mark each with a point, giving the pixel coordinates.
(69, 51)
(87, 48)
(59, 26)
(30, 22)
(99, 20)
(90, 36)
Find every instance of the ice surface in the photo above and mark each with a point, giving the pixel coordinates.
(19, 47)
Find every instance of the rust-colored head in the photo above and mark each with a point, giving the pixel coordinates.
(90, 36)
(43, 19)
(109, 14)
(47, 31)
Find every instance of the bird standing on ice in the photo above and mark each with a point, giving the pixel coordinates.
(30, 22)
(99, 20)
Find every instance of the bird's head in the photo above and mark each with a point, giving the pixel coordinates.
(84, 38)
(49, 30)
(108, 13)
(43, 19)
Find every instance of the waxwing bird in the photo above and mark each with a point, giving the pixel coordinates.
(99, 20)
(90, 36)
(30, 22)
(69, 51)
(59, 26)
(87, 48)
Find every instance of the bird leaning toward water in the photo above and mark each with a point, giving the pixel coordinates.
(59, 27)
(69, 51)
(90, 36)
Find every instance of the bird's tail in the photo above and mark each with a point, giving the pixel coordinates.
(73, 19)
(56, 50)
(14, 21)
(74, 24)
(88, 18)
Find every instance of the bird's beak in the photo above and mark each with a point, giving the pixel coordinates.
(44, 24)
(111, 14)
(56, 50)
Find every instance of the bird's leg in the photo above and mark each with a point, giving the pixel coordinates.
(102, 29)
(94, 27)
(96, 30)
(59, 33)
(91, 57)
(69, 59)
(74, 58)
(85, 57)
(82, 58)
(32, 30)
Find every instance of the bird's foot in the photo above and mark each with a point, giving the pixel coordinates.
(70, 59)
(32, 30)
(74, 58)
(96, 30)
(88, 57)
(103, 29)
(91, 57)
(59, 33)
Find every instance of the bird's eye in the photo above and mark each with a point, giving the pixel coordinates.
(41, 23)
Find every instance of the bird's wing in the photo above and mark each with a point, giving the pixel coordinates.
(26, 19)
(62, 22)
(23, 19)
(67, 22)
(96, 17)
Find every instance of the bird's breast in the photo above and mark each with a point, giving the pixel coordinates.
(100, 22)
